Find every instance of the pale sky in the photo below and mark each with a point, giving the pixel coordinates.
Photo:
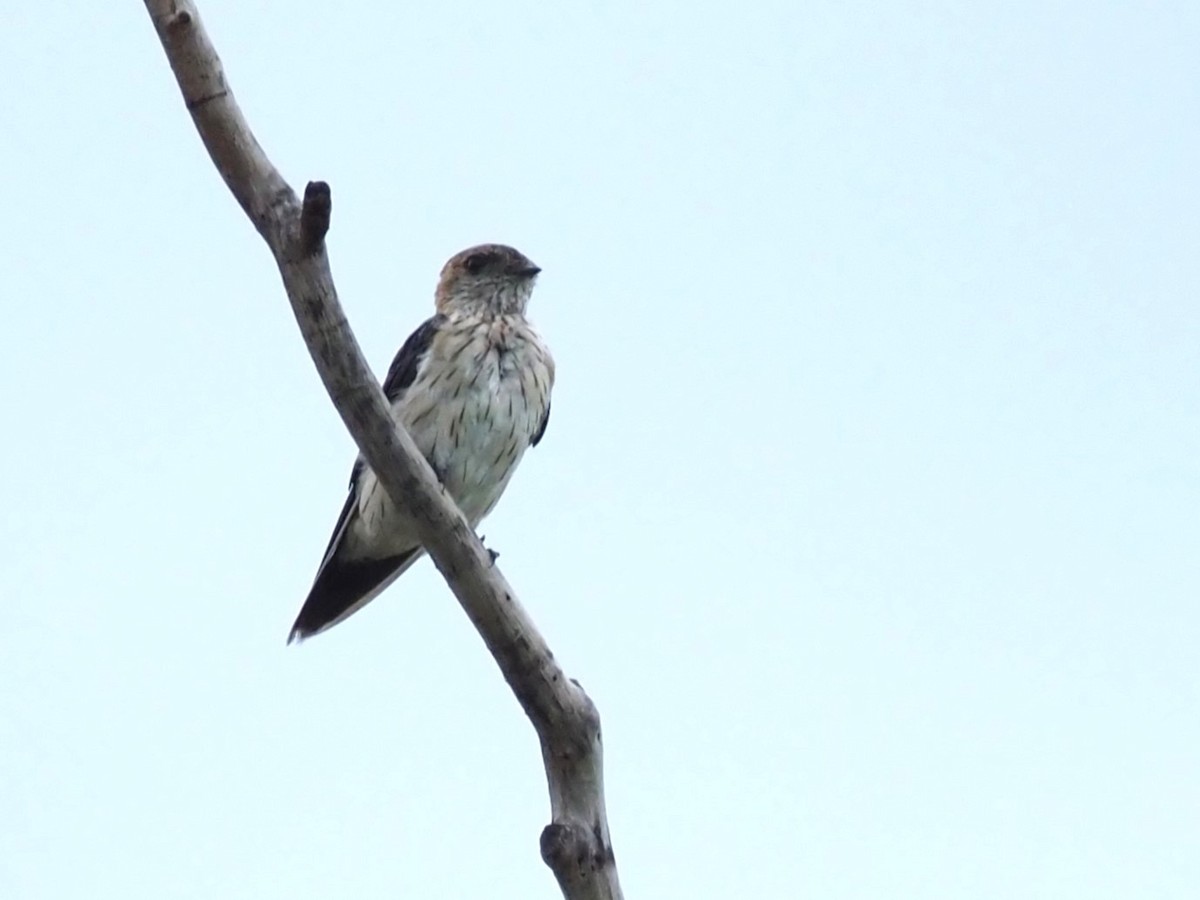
(867, 514)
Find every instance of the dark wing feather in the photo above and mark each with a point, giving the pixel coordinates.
(343, 518)
(541, 427)
(344, 586)
(403, 370)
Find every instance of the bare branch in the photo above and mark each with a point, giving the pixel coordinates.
(576, 845)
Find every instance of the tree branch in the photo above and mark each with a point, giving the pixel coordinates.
(576, 845)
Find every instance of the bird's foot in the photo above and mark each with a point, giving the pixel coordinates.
(492, 554)
(440, 473)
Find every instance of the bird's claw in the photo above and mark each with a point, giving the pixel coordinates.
(440, 475)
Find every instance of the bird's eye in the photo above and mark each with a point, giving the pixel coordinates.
(475, 263)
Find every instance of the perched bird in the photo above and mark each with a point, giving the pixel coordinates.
(472, 387)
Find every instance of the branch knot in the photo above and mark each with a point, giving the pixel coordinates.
(314, 216)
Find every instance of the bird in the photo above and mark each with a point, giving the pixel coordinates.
(472, 387)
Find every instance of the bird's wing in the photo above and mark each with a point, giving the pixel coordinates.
(548, 360)
(403, 370)
(347, 582)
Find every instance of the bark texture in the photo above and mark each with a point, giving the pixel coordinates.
(576, 844)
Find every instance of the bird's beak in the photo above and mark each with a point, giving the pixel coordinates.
(529, 271)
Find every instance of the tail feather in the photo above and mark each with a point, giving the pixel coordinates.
(344, 587)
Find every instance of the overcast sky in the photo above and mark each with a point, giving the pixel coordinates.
(867, 514)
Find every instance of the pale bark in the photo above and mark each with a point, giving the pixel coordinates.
(576, 844)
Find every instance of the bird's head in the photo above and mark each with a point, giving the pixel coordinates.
(490, 279)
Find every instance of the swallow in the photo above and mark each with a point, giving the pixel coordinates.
(472, 387)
